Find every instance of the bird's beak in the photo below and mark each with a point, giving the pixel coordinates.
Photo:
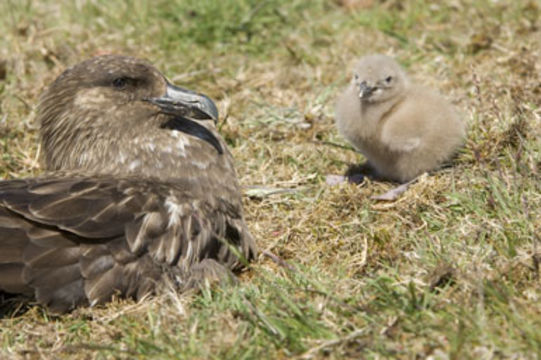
(365, 90)
(186, 103)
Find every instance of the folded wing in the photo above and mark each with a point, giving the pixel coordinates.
(76, 241)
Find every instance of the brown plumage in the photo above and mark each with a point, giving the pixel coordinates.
(141, 190)
(402, 129)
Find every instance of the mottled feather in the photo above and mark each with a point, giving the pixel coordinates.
(129, 203)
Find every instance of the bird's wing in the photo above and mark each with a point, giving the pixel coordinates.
(78, 240)
(403, 131)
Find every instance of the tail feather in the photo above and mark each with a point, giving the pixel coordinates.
(12, 244)
(48, 238)
(13, 239)
(40, 258)
(40, 262)
(10, 253)
(11, 279)
(62, 298)
(100, 289)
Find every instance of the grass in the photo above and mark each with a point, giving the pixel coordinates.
(448, 271)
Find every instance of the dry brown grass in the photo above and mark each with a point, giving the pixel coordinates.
(449, 270)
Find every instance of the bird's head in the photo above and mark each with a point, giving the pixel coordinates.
(378, 78)
(117, 97)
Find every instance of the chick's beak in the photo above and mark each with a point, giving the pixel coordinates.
(186, 103)
(365, 90)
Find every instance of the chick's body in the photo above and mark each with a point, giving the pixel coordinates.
(401, 128)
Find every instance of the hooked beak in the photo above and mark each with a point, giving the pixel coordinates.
(365, 90)
(186, 103)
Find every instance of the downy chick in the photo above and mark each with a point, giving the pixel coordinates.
(402, 129)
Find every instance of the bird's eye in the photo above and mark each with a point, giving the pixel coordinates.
(388, 79)
(356, 76)
(120, 82)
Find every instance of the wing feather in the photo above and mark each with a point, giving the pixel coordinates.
(81, 240)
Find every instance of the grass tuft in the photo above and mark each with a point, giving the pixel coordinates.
(449, 270)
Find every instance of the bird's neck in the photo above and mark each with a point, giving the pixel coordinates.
(159, 154)
(143, 150)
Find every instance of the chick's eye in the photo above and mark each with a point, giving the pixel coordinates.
(388, 79)
(120, 83)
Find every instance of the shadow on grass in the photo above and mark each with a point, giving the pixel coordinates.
(12, 305)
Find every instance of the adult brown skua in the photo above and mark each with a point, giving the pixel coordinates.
(403, 129)
(140, 192)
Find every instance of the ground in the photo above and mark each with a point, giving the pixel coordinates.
(448, 270)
